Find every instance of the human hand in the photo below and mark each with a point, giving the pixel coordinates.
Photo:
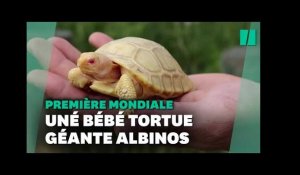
(61, 57)
(213, 105)
(212, 102)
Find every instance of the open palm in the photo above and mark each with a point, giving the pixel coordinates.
(213, 102)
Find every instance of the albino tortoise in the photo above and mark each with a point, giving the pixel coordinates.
(131, 68)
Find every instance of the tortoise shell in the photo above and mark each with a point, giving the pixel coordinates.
(150, 64)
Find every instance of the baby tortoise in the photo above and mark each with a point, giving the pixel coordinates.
(131, 68)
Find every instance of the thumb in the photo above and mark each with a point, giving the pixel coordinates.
(97, 39)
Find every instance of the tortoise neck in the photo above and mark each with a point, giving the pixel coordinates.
(110, 73)
(115, 72)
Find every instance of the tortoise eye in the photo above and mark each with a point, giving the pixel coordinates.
(91, 61)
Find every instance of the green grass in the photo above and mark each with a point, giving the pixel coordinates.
(196, 46)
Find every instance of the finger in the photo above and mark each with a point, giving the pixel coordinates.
(97, 39)
(196, 79)
(49, 55)
(192, 96)
(40, 49)
(69, 51)
(55, 85)
(211, 80)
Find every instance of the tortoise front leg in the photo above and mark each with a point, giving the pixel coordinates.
(77, 78)
(125, 88)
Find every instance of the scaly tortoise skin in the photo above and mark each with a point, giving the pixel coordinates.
(152, 69)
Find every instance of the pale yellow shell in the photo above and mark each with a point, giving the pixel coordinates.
(150, 64)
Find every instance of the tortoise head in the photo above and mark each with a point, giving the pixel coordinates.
(96, 65)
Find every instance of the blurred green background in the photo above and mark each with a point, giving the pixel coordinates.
(197, 46)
